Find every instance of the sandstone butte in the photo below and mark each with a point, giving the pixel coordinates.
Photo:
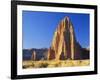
(65, 45)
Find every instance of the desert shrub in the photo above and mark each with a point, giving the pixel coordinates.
(43, 65)
(80, 61)
(32, 65)
(57, 65)
(24, 67)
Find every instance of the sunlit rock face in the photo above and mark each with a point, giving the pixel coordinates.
(64, 44)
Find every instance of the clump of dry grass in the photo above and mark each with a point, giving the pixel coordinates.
(44, 65)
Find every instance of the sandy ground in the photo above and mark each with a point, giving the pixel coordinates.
(53, 63)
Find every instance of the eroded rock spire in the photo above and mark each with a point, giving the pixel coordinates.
(64, 45)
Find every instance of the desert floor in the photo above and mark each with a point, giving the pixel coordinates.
(53, 63)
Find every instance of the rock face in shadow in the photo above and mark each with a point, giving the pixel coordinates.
(33, 57)
(35, 54)
(64, 44)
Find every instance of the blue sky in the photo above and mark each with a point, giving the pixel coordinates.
(39, 27)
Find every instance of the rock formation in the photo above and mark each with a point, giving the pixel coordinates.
(33, 56)
(64, 44)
